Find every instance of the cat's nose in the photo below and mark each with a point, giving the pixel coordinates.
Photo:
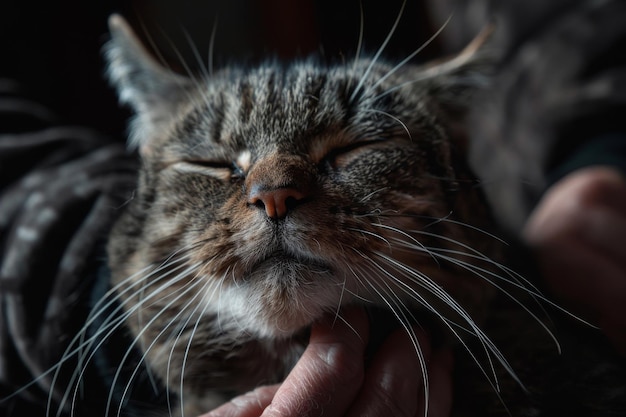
(278, 183)
(276, 202)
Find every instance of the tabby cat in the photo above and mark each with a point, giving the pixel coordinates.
(269, 196)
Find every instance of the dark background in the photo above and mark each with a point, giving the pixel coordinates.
(54, 49)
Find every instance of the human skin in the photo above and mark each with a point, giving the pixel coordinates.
(331, 378)
(578, 233)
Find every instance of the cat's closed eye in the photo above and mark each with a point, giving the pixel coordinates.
(221, 169)
(340, 156)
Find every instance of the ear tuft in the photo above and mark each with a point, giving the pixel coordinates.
(456, 80)
(152, 90)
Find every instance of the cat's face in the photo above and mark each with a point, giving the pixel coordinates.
(271, 195)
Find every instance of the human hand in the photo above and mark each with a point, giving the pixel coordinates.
(579, 233)
(331, 380)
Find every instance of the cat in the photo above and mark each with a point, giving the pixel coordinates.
(269, 196)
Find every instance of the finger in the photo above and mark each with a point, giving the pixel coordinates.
(605, 229)
(585, 276)
(591, 283)
(589, 205)
(250, 404)
(328, 376)
(602, 186)
(393, 385)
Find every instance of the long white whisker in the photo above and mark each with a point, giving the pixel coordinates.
(481, 273)
(192, 284)
(534, 290)
(412, 55)
(420, 245)
(182, 328)
(436, 290)
(366, 232)
(212, 47)
(447, 219)
(110, 324)
(83, 344)
(340, 302)
(442, 295)
(194, 50)
(360, 42)
(378, 53)
(404, 322)
(400, 122)
(188, 347)
(139, 335)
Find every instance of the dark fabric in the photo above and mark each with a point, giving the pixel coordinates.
(560, 86)
(60, 189)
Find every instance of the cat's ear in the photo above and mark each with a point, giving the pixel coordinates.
(455, 81)
(153, 91)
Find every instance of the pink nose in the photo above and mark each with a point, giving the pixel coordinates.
(277, 202)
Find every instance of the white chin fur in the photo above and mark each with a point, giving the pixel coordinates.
(267, 310)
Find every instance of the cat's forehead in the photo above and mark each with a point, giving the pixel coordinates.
(297, 107)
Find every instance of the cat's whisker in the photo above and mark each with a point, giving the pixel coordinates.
(362, 285)
(412, 55)
(85, 344)
(416, 243)
(203, 291)
(426, 283)
(195, 79)
(347, 323)
(192, 285)
(165, 63)
(514, 279)
(482, 273)
(374, 60)
(174, 341)
(368, 233)
(397, 308)
(422, 77)
(372, 194)
(447, 219)
(429, 285)
(359, 46)
(113, 326)
(211, 54)
(116, 292)
(205, 73)
(112, 323)
(341, 296)
(531, 290)
(394, 118)
(140, 333)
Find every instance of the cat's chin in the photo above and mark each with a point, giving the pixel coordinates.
(282, 296)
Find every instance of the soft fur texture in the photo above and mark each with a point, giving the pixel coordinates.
(269, 196)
